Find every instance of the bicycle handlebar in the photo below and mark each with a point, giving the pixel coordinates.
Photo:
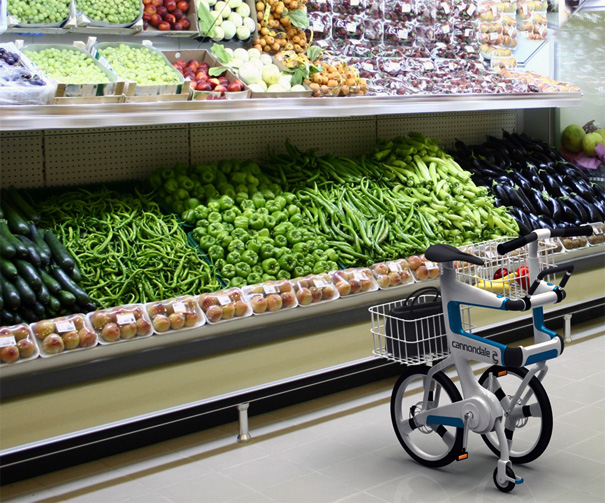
(552, 270)
(513, 244)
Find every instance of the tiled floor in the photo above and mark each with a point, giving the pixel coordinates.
(342, 448)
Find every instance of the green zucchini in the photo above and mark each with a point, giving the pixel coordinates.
(53, 305)
(62, 257)
(54, 287)
(67, 284)
(75, 274)
(43, 295)
(28, 297)
(7, 317)
(22, 205)
(43, 248)
(16, 222)
(39, 309)
(66, 298)
(7, 250)
(28, 314)
(8, 269)
(12, 300)
(8, 236)
(33, 257)
(29, 273)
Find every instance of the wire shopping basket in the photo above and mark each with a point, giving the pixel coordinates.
(411, 341)
(506, 275)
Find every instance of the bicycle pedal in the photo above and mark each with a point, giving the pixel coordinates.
(462, 456)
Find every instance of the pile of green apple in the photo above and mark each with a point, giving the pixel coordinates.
(38, 12)
(110, 11)
(68, 65)
(259, 71)
(229, 19)
(141, 64)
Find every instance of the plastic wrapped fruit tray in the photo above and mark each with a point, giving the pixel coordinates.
(180, 313)
(392, 273)
(354, 281)
(271, 296)
(315, 289)
(121, 324)
(17, 344)
(63, 335)
(225, 305)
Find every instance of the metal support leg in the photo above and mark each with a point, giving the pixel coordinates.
(244, 435)
(567, 318)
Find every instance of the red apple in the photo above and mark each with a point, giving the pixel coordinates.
(180, 63)
(220, 89)
(146, 16)
(185, 23)
(288, 299)
(183, 5)
(71, 340)
(214, 82)
(53, 344)
(155, 20)
(356, 285)
(203, 86)
(146, 2)
(241, 308)
(234, 87)
(329, 292)
(88, 338)
(191, 319)
(201, 75)
(151, 9)
(170, 4)
(161, 323)
(214, 314)
(9, 354)
(169, 18)
(26, 347)
(204, 66)
(111, 332)
(164, 26)
(259, 304)
(344, 288)
(157, 3)
(143, 326)
(177, 26)
(228, 311)
(178, 14)
(162, 11)
(192, 63)
(223, 80)
(177, 321)
(19, 332)
(43, 328)
(304, 296)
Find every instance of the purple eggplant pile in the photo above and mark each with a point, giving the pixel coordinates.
(537, 185)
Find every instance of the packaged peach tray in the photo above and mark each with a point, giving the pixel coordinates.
(225, 305)
(270, 296)
(17, 344)
(63, 335)
(353, 281)
(315, 289)
(392, 273)
(180, 313)
(423, 269)
(121, 324)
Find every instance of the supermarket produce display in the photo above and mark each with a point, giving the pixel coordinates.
(225, 240)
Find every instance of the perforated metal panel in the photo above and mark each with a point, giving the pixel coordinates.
(80, 156)
(251, 140)
(22, 159)
(471, 127)
(98, 155)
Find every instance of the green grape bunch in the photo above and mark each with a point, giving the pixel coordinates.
(68, 66)
(143, 65)
(111, 11)
(39, 11)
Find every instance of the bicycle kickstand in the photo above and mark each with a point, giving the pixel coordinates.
(504, 476)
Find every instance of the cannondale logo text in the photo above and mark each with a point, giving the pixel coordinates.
(478, 350)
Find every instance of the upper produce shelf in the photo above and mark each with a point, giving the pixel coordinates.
(30, 117)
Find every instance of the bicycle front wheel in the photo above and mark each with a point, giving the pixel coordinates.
(529, 423)
(430, 445)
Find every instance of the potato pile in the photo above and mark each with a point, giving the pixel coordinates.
(278, 29)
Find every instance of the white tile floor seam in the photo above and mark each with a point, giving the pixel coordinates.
(342, 449)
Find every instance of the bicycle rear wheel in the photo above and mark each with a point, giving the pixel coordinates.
(430, 445)
(529, 424)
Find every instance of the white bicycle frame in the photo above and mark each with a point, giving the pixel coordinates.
(480, 410)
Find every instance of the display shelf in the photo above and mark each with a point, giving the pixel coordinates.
(30, 117)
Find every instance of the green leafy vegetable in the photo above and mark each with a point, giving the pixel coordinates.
(299, 19)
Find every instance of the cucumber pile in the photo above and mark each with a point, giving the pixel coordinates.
(39, 278)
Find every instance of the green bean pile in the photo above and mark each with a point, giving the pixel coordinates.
(127, 250)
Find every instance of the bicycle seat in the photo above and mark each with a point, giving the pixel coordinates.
(449, 253)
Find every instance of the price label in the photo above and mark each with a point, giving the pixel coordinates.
(431, 265)
(180, 307)
(445, 7)
(351, 27)
(406, 8)
(392, 66)
(359, 275)
(446, 28)
(355, 3)
(402, 34)
(452, 66)
(270, 289)
(64, 326)
(320, 283)
(471, 10)
(525, 10)
(468, 32)
(469, 49)
(321, 2)
(394, 267)
(428, 65)
(223, 300)
(8, 340)
(368, 67)
(318, 26)
(493, 36)
(322, 43)
(495, 10)
(124, 318)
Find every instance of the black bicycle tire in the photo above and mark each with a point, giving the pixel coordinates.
(454, 396)
(545, 408)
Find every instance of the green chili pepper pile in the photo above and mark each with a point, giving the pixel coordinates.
(127, 250)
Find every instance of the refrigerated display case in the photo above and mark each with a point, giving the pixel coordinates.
(108, 395)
